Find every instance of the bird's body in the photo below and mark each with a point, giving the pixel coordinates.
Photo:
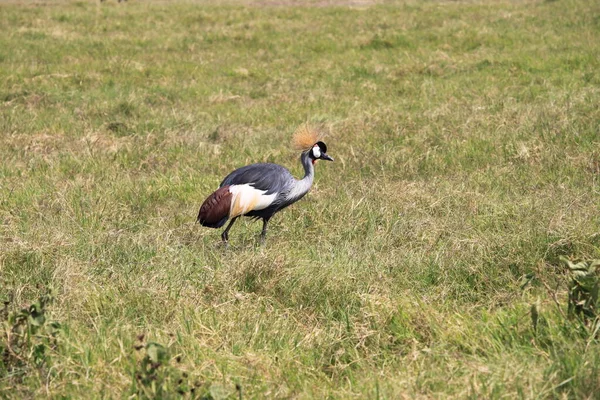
(259, 191)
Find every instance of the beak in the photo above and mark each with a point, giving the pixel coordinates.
(324, 156)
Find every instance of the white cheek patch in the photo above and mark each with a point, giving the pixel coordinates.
(316, 151)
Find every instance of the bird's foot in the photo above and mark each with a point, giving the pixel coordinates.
(262, 240)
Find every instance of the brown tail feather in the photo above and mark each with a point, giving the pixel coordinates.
(214, 212)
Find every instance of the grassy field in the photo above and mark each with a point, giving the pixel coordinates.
(425, 262)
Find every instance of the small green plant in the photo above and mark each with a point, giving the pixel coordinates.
(583, 291)
(582, 281)
(155, 377)
(27, 339)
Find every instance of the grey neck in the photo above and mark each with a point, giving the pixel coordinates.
(302, 186)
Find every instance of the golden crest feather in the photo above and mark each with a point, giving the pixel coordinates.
(305, 137)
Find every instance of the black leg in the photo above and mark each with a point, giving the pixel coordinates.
(263, 234)
(225, 234)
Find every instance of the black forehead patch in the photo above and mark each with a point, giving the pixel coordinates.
(322, 147)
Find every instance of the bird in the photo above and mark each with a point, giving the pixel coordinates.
(263, 189)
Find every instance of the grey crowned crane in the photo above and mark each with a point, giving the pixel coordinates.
(261, 190)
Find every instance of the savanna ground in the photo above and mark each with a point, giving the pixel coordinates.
(425, 262)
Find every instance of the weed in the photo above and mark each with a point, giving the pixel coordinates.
(155, 376)
(28, 340)
(583, 292)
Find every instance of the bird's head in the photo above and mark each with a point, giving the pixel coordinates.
(307, 139)
(319, 152)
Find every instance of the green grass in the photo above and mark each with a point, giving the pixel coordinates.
(467, 147)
